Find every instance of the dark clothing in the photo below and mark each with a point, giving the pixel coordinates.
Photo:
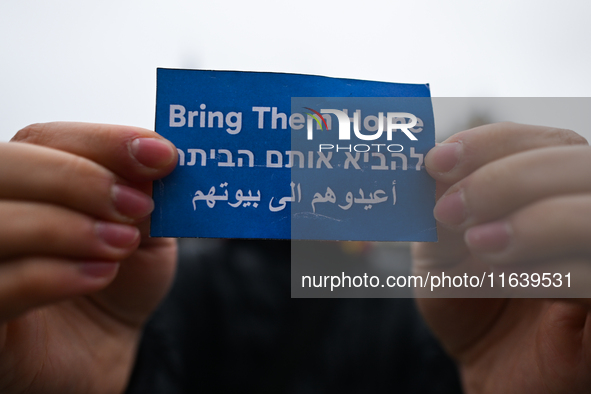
(230, 326)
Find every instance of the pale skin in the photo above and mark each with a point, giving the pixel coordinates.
(524, 203)
(79, 276)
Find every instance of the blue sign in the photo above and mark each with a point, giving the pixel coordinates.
(284, 156)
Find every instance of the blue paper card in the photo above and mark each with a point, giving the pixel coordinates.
(286, 156)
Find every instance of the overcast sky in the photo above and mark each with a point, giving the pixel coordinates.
(96, 61)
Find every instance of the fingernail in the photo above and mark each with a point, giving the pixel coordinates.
(98, 269)
(489, 238)
(152, 152)
(130, 202)
(444, 157)
(450, 209)
(117, 235)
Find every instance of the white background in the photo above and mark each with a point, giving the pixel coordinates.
(96, 61)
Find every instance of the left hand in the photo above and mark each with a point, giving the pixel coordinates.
(72, 310)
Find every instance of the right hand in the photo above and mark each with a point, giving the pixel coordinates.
(512, 197)
(78, 273)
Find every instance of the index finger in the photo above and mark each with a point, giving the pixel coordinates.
(465, 152)
(133, 153)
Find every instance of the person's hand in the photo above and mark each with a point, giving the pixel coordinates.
(78, 273)
(514, 198)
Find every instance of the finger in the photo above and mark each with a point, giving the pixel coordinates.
(143, 280)
(32, 282)
(42, 229)
(37, 173)
(505, 185)
(448, 251)
(141, 283)
(133, 153)
(465, 152)
(551, 229)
